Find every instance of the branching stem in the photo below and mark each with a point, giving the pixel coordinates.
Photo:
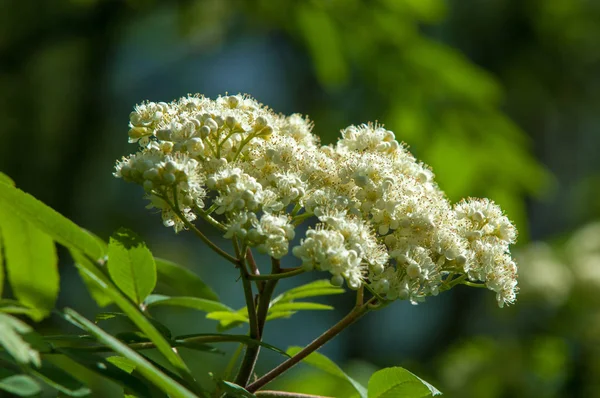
(352, 317)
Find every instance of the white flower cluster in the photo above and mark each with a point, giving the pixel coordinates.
(382, 222)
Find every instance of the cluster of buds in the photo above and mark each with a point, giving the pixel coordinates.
(381, 220)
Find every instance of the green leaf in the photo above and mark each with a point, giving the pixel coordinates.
(20, 385)
(399, 382)
(144, 324)
(279, 315)
(106, 367)
(125, 364)
(194, 303)
(182, 281)
(4, 179)
(234, 390)
(1, 260)
(227, 316)
(104, 316)
(191, 340)
(298, 306)
(9, 306)
(321, 287)
(31, 262)
(142, 365)
(325, 364)
(60, 380)
(63, 230)
(131, 265)
(100, 296)
(11, 338)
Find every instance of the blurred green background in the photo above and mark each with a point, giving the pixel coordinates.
(500, 97)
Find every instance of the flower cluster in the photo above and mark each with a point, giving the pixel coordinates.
(381, 220)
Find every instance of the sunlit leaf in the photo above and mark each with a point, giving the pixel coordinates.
(182, 281)
(4, 179)
(325, 364)
(31, 263)
(321, 287)
(399, 382)
(131, 265)
(63, 230)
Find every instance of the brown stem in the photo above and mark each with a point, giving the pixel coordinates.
(264, 299)
(352, 317)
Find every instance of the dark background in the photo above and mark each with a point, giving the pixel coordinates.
(500, 97)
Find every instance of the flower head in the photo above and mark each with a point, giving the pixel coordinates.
(382, 221)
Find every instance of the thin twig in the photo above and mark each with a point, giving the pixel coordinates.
(284, 394)
(352, 317)
(209, 243)
(284, 274)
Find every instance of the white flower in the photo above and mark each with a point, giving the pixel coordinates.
(383, 221)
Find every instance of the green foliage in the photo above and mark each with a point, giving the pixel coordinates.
(11, 339)
(325, 364)
(20, 385)
(131, 265)
(128, 279)
(32, 264)
(182, 281)
(61, 229)
(399, 382)
(142, 365)
(195, 303)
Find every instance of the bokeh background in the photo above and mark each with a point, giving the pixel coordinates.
(500, 97)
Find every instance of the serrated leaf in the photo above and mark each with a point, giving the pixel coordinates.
(46, 219)
(399, 382)
(182, 281)
(60, 380)
(20, 385)
(298, 306)
(11, 338)
(325, 364)
(194, 303)
(131, 265)
(31, 263)
(147, 369)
